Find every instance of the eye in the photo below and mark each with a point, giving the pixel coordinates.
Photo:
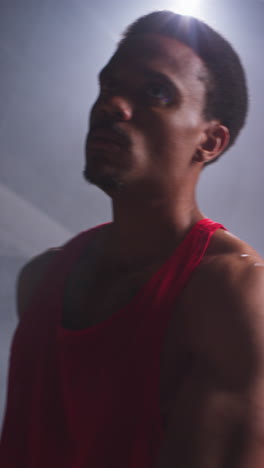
(160, 92)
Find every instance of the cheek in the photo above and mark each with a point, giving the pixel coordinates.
(177, 133)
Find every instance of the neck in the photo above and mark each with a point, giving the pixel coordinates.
(150, 228)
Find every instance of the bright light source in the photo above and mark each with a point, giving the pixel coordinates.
(186, 7)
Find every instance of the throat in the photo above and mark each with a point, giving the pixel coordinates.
(147, 233)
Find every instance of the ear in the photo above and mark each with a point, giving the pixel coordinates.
(215, 141)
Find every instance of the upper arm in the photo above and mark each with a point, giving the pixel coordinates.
(217, 417)
(29, 278)
(211, 427)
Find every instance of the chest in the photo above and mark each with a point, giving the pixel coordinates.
(93, 296)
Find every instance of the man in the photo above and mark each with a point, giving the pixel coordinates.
(140, 342)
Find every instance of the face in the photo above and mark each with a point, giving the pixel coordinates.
(148, 121)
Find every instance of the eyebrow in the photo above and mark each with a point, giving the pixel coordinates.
(150, 73)
(146, 72)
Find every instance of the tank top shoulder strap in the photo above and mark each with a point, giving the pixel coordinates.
(198, 239)
(72, 249)
(186, 258)
(191, 251)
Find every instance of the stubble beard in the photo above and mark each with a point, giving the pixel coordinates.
(109, 183)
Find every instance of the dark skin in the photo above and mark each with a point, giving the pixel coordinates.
(214, 418)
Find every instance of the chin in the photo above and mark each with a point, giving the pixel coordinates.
(109, 183)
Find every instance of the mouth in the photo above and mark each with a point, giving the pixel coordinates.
(104, 143)
(107, 139)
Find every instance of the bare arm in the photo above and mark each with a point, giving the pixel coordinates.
(217, 418)
(30, 277)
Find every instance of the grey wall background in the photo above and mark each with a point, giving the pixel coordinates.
(50, 54)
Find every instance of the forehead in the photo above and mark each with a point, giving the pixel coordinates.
(162, 54)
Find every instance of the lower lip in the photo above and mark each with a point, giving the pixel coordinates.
(103, 144)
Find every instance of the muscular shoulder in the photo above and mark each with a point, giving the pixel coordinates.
(231, 263)
(30, 277)
(225, 302)
(220, 322)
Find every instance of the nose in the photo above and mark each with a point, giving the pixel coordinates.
(119, 108)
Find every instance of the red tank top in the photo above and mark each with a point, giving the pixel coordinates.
(90, 398)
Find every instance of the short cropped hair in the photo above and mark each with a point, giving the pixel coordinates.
(226, 92)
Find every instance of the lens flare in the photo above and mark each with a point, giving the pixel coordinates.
(187, 7)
